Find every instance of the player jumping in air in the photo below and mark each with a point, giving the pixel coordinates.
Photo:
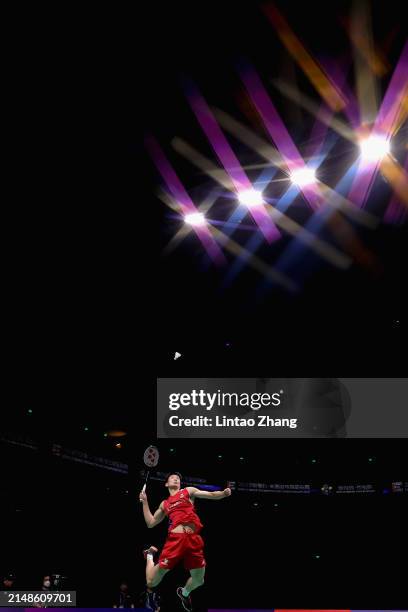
(183, 540)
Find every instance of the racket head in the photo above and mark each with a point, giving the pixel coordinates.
(151, 456)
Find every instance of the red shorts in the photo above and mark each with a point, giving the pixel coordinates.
(188, 547)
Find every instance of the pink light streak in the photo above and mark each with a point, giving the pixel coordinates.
(186, 204)
(320, 129)
(229, 160)
(383, 126)
(390, 106)
(396, 211)
(278, 132)
(337, 71)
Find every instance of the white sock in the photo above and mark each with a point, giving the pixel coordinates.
(184, 592)
(149, 557)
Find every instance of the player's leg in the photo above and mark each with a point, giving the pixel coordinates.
(154, 573)
(155, 576)
(196, 580)
(194, 561)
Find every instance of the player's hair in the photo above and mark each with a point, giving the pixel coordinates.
(173, 474)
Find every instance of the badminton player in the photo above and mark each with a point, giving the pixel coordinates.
(183, 541)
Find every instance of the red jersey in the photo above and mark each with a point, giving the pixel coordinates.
(179, 509)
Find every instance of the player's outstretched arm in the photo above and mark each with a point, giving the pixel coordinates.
(151, 519)
(215, 495)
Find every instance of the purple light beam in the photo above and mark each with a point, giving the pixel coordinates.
(277, 130)
(229, 160)
(383, 126)
(180, 194)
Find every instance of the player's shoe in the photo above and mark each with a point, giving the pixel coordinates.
(186, 601)
(152, 550)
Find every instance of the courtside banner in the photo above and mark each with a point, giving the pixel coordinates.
(282, 407)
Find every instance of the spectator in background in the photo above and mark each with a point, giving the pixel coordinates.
(45, 588)
(8, 583)
(123, 598)
(150, 599)
(46, 583)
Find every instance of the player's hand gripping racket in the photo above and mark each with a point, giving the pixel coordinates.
(151, 459)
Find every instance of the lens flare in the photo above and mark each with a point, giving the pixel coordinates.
(303, 177)
(374, 148)
(250, 198)
(195, 219)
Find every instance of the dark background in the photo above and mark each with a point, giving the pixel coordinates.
(348, 320)
(93, 316)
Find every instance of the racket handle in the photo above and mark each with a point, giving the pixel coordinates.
(143, 490)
